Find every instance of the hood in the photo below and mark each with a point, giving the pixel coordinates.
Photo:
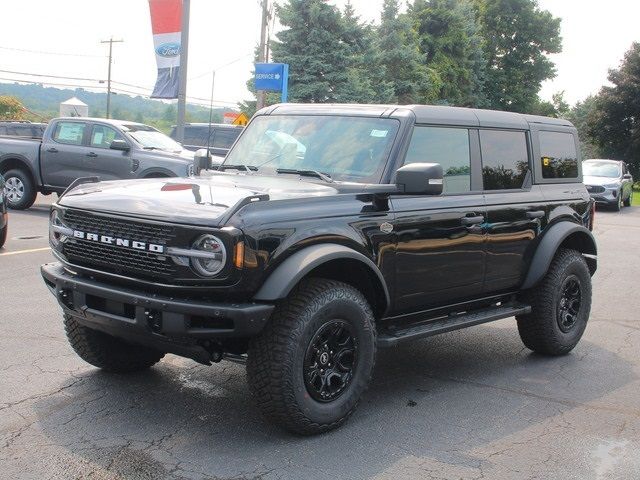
(598, 181)
(181, 156)
(193, 201)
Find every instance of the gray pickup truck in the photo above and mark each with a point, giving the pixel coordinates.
(87, 147)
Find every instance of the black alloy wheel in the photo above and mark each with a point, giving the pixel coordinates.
(330, 361)
(569, 303)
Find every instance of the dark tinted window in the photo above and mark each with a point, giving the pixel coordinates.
(505, 161)
(224, 137)
(195, 135)
(447, 146)
(69, 132)
(559, 155)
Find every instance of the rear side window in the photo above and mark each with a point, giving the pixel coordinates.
(505, 159)
(559, 156)
(69, 132)
(450, 148)
(224, 138)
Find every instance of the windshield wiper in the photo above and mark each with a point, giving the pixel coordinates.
(307, 173)
(246, 168)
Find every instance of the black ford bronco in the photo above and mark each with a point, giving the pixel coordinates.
(328, 232)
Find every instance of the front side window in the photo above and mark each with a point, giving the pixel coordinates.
(559, 156)
(70, 133)
(450, 148)
(346, 148)
(102, 136)
(505, 159)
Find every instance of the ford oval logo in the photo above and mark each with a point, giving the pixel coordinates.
(170, 49)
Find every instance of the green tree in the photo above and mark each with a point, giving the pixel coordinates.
(311, 43)
(614, 123)
(579, 115)
(517, 36)
(402, 76)
(11, 108)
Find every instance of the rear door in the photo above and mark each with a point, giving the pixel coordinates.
(440, 239)
(63, 153)
(103, 162)
(516, 209)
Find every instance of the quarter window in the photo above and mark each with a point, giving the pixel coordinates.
(505, 161)
(450, 148)
(559, 155)
(102, 136)
(70, 133)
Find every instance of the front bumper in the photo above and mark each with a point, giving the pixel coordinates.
(608, 197)
(179, 326)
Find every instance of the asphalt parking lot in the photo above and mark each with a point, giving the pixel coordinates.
(466, 405)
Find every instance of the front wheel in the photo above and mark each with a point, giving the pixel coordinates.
(309, 367)
(629, 201)
(560, 304)
(3, 235)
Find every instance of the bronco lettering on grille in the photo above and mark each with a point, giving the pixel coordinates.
(119, 242)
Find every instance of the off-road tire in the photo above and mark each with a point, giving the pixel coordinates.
(30, 192)
(276, 357)
(106, 352)
(540, 330)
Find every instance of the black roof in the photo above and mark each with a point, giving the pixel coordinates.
(429, 114)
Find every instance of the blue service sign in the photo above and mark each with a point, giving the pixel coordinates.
(271, 76)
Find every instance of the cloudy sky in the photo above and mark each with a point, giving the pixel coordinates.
(63, 37)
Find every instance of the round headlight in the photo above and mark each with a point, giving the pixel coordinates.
(213, 257)
(55, 237)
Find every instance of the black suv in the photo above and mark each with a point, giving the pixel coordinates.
(221, 137)
(331, 231)
(22, 129)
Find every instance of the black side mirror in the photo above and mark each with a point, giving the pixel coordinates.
(627, 176)
(118, 144)
(201, 160)
(420, 178)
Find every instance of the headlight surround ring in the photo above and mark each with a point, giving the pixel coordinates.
(213, 265)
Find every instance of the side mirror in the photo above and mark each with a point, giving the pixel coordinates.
(420, 178)
(627, 176)
(118, 144)
(201, 160)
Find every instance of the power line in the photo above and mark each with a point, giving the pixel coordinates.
(35, 82)
(52, 76)
(42, 52)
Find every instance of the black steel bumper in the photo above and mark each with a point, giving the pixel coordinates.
(169, 324)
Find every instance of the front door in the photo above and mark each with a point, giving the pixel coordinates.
(62, 155)
(440, 249)
(103, 162)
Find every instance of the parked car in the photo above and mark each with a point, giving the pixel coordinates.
(22, 129)
(83, 147)
(4, 216)
(220, 141)
(393, 223)
(608, 182)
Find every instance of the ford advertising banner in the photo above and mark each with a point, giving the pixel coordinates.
(166, 21)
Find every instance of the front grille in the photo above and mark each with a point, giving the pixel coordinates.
(118, 259)
(595, 189)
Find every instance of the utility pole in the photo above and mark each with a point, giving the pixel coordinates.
(111, 41)
(182, 87)
(262, 52)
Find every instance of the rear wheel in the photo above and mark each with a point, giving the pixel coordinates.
(311, 364)
(107, 352)
(561, 304)
(20, 190)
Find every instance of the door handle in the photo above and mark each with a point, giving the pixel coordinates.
(535, 214)
(52, 150)
(92, 154)
(469, 221)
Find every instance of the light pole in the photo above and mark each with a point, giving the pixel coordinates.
(111, 41)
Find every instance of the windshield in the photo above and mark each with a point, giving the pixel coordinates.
(151, 138)
(345, 148)
(601, 169)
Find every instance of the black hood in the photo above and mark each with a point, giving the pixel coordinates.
(195, 201)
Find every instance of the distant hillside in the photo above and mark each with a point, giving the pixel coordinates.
(45, 101)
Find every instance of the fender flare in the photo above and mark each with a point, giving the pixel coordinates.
(157, 170)
(548, 246)
(287, 275)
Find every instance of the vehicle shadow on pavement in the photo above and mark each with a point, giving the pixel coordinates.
(439, 399)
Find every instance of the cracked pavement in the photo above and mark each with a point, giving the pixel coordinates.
(467, 405)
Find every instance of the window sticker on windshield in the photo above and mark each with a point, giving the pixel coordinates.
(379, 133)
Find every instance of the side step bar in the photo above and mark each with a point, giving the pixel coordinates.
(452, 322)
